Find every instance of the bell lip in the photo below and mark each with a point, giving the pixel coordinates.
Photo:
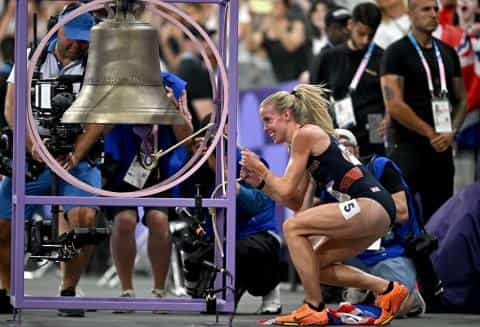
(115, 118)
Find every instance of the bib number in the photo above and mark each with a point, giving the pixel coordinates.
(349, 208)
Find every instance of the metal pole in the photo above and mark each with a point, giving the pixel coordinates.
(19, 135)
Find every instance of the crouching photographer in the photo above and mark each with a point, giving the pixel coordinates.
(257, 245)
(64, 55)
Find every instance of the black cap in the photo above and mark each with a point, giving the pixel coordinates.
(337, 15)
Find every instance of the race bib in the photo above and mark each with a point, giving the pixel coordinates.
(441, 115)
(349, 208)
(344, 115)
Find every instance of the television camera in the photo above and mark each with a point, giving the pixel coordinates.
(43, 245)
(197, 250)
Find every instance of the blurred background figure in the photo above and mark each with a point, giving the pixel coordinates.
(337, 27)
(193, 70)
(283, 36)
(468, 17)
(254, 67)
(337, 31)
(352, 71)
(446, 15)
(317, 13)
(7, 20)
(395, 22)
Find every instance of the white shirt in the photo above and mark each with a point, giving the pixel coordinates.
(391, 30)
(51, 68)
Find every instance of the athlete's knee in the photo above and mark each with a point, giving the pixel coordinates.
(289, 227)
(324, 259)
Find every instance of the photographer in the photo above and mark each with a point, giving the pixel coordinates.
(65, 55)
(388, 259)
(257, 242)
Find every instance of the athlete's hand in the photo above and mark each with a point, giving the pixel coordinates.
(252, 163)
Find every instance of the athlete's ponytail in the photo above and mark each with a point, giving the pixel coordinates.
(308, 103)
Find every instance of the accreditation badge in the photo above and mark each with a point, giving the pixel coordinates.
(441, 115)
(138, 173)
(373, 127)
(344, 115)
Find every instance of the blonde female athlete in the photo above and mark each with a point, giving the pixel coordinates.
(301, 120)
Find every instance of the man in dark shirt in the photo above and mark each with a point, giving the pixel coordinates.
(337, 28)
(338, 66)
(419, 137)
(193, 70)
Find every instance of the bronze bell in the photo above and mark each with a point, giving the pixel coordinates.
(122, 83)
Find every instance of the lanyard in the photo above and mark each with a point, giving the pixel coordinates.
(361, 68)
(441, 67)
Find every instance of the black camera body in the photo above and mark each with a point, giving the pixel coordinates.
(419, 250)
(33, 169)
(197, 250)
(50, 99)
(42, 245)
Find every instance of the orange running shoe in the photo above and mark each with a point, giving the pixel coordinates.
(390, 303)
(304, 316)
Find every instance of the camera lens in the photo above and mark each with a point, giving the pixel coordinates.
(4, 142)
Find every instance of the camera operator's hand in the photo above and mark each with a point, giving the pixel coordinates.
(34, 153)
(69, 161)
(196, 144)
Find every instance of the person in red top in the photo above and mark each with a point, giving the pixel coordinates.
(446, 14)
